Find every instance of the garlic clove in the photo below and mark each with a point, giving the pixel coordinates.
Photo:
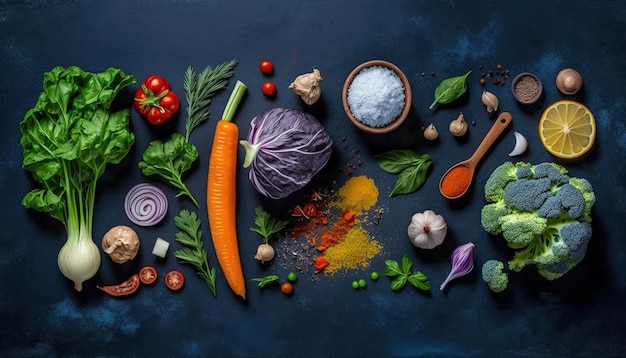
(264, 253)
(490, 101)
(520, 145)
(458, 127)
(430, 132)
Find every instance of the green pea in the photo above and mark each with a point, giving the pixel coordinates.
(374, 275)
(292, 276)
(355, 284)
(362, 283)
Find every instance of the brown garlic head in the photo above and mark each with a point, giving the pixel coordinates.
(121, 243)
(569, 81)
(458, 127)
(307, 86)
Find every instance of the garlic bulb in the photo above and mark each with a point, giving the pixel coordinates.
(427, 230)
(79, 260)
(264, 253)
(430, 132)
(307, 86)
(458, 127)
(121, 243)
(490, 101)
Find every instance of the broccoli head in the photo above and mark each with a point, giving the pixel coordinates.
(542, 213)
(494, 276)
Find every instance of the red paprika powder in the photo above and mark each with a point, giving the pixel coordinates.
(456, 181)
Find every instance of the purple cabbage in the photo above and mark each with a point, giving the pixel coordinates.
(285, 148)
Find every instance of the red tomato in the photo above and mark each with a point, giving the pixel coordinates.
(148, 275)
(174, 280)
(155, 101)
(125, 288)
(266, 66)
(268, 88)
(286, 288)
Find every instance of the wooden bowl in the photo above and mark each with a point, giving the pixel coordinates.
(407, 97)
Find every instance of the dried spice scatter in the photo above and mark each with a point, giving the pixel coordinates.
(332, 225)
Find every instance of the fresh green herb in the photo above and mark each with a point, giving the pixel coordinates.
(266, 225)
(401, 274)
(68, 138)
(450, 89)
(412, 168)
(193, 253)
(172, 159)
(264, 281)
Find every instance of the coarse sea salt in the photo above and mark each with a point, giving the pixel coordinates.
(376, 96)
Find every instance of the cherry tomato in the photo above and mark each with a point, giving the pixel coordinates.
(286, 288)
(148, 275)
(125, 288)
(266, 66)
(174, 280)
(155, 101)
(268, 88)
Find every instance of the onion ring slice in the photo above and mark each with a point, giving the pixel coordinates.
(145, 204)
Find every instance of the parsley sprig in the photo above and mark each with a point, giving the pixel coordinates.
(193, 253)
(402, 274)
(266, 225)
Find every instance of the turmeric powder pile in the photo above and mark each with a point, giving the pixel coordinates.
(353, 251)
(358, 194)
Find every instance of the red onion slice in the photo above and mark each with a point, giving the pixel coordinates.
(145, 204)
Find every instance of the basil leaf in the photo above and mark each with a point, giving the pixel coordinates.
(398, 282)
(396, 161)
(406, 264)
(411, 179)
(392, 268)
(450, 89)
(419, 280)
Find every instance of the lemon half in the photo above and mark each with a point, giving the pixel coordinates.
(567, 129)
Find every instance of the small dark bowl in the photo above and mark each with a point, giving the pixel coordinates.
(407, 97)
(536, 91)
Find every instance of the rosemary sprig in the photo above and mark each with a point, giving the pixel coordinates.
(193, 253)
(200, 88)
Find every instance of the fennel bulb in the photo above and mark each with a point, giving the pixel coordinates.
(68, 138)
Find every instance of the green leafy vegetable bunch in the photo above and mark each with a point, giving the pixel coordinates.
(69, 137)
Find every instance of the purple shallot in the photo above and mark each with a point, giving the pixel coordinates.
(462, 263)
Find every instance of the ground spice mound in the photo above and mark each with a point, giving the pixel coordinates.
(354, 251)
(358, 194)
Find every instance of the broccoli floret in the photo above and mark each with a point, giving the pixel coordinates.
(494, 276)
(527, 195)
(545, 216)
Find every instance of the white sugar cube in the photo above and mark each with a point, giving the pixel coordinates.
(160, 247)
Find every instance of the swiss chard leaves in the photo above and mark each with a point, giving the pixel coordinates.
(412, 169)
(450, 89)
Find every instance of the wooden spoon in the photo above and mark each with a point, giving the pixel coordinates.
(461, 186)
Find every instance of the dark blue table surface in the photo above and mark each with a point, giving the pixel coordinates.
(581, 314)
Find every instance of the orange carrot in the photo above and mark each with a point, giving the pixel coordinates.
(221, 194)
